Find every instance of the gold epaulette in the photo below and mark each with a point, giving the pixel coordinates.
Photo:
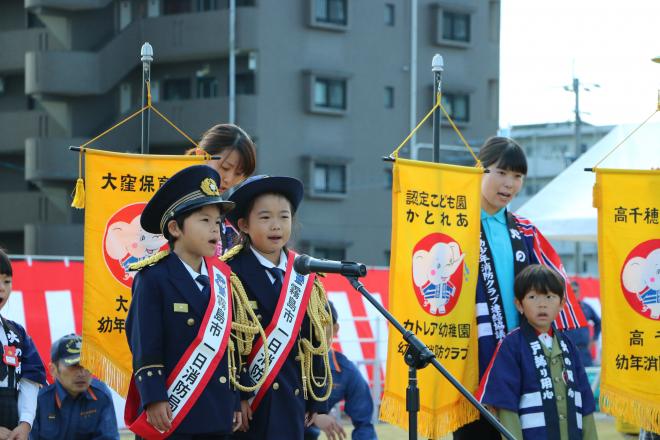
(149, 261)
(231, 253)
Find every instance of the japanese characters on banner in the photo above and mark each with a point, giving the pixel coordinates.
(629, 262)
(433, 275)
(118, 187)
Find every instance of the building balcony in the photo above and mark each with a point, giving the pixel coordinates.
(175, 38)
(26, 207)
(53, 239)
(70, 5)
(16, 43)
(20, 125)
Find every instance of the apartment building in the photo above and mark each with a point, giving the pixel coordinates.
(324, 87)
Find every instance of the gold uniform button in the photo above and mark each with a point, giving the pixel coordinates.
(223, 379)
(296, 392)
(190, 322)
(259, 317)
(140, 378)
(149, 373)
(559, 397)
(554, 361)
(562, 417)
(276, 386)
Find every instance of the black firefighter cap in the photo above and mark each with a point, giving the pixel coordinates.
(254, 186)
(189, 189)
(67, 350)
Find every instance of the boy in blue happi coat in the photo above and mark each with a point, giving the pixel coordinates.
(536, 381)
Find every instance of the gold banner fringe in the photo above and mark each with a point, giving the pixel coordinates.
(632, 409)
(98, 362)
(444, 421)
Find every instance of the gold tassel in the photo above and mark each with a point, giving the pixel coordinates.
(79, 194)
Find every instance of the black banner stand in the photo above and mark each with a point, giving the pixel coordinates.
(418, 356)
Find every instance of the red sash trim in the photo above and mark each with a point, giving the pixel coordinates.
(279, 315)
(136, 421)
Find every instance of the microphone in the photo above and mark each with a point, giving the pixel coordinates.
(304, 264)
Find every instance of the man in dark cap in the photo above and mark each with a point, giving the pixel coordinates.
(76, 405)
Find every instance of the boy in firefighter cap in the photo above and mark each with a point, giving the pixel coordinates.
(179, 325)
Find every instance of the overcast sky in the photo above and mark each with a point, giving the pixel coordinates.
(605, 42)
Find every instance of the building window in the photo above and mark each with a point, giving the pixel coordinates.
(388, 178)
(389, 14)
(176, 89)
(330, 12)
(457, 105)
(245, 83)
(207, 87)
(33, 21)
(389, 97)
(177, 7)
(330, 93)
(456, 26)
(329, 178)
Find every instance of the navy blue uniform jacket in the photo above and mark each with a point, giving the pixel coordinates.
(281, 413)
(90, 416)
(159, 335)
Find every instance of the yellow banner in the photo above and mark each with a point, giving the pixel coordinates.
(629, 263)
(117, 188)
(433, 276)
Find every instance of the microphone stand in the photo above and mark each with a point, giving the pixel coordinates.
(418, 356)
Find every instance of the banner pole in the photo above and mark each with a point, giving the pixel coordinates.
(437, 67)
(147, 56)
(418, 356)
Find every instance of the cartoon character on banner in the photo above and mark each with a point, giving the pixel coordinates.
(435, 272)
(125, 242)
(640, 279)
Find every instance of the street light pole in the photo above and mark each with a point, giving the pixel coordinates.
(147, 56)
(437, 67)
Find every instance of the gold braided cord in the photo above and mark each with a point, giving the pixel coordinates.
(245, 325)
(318, 311)
(438, 104)
(149, 261)
(395, 153)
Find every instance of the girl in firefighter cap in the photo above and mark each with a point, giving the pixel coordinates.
(295, 377)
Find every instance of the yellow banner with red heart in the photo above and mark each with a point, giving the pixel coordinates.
(117, 188)
(628, 203)
(433, 279)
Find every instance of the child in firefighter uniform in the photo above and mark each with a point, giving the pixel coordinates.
(294, 380)
(536, 380)
(185, 322)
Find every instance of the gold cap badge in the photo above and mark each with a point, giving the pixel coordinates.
(209, 187)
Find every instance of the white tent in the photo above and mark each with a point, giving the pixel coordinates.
(563, 209)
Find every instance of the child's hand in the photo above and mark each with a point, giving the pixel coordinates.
(21, 432)
(238, 421)
(159, 415)
(246, 415)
